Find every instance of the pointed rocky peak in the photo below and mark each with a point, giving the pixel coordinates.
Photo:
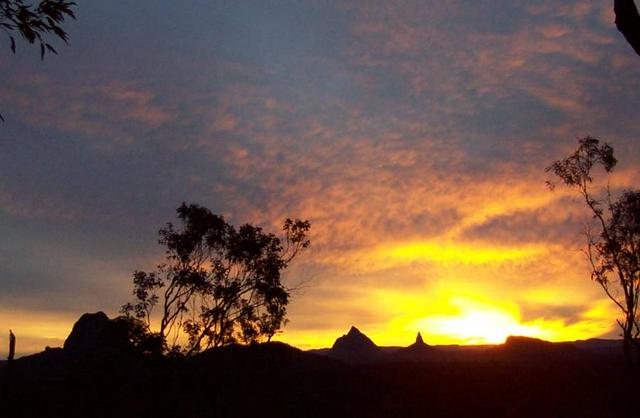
(354, 346)
(355, 333)
(354, 338)
(418, 351)
(419, 344)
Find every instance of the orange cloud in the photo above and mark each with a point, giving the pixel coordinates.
(108, 111)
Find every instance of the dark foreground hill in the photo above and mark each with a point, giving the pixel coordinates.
(94, 377)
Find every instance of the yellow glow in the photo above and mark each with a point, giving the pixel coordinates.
(34, 330)
(43, 325)
(460, 313)
(477, 323)
(306, 339)
(483, 322)
(458, 252)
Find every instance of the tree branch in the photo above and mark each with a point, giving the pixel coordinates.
(628, 22)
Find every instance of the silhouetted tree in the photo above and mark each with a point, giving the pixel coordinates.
(219, 284)
(613, 247)
(628, 22)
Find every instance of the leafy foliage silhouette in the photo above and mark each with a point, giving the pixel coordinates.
(219, 284)
(34, 22)
(613, 247)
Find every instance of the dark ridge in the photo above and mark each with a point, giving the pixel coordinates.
(277, 380)
(520, 343)
(527, 349)
(601, 347)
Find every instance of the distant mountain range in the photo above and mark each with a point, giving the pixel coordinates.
(356, 347)
(98, 374)
(93, 333)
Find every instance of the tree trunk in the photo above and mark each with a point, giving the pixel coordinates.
(630, 346)
(628, 22)
(12, 347)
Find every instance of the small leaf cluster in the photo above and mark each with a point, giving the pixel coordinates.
(575, 170)
(34, 22)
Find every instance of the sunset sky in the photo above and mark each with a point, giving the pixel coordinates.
(412, 134)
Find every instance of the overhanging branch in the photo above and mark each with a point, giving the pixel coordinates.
(628, 22)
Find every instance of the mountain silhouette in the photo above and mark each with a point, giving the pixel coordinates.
(94, 376)
(95, 334)
(355, 347)
(520, 344)
(418, 351)
(519, 348)
(419, 344)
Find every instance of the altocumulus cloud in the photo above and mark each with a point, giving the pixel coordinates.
(424, 124)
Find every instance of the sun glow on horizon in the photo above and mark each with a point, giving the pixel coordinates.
(481, 323)
(463, 318)
(478, 323)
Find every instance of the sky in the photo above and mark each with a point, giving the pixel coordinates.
(414, 135)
